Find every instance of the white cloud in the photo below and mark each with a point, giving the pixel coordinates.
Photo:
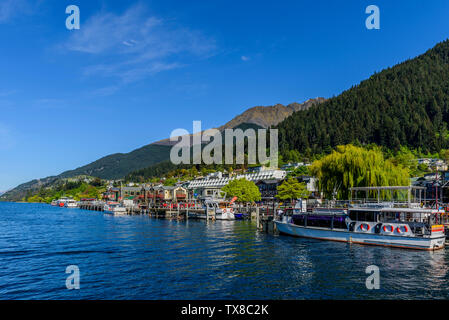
(245, 58)
(136, 44)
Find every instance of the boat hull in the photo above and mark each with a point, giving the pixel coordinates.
(218, 216)
(115, 212)
(225, 216)
(238, 216)
(407, 242)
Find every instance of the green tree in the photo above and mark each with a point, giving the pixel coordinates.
(349, 166)
(244, 190)
(300, 171)
(406, 159)
(170, 182)
(97, 182)
(292, 189)
(444, 154)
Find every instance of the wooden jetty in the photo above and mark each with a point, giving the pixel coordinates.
(169, 212)
(262, 215)
(92, 205)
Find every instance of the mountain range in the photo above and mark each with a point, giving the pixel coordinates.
(403, 105)
(118, 165)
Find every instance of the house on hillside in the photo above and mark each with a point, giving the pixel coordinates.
(311, 185)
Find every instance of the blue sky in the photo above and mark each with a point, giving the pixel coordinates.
(135, 71)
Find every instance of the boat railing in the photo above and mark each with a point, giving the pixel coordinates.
(385, 204)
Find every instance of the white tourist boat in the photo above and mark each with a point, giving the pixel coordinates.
(54, 203)
(70, 203)
(114, 208)
(62, 201)
(378, 226)
(226, 213)
(219, 209)
(381, 224)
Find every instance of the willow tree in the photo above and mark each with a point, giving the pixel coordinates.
(350, 166)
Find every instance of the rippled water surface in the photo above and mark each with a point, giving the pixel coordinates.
(137, 257)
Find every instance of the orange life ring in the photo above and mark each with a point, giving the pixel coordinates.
(362, 227)
(398, 229)
(391, 228)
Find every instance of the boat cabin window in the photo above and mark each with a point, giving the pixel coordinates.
(389, 216)
(369, 216)
(322, 221)
(401, 216)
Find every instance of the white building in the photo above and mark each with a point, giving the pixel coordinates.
(209, 186)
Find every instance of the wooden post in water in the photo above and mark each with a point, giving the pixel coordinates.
(257, 217)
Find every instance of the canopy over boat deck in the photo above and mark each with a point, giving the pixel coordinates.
(405, 194)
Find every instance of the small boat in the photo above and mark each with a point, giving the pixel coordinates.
(221, 210)
(239, 216)
(224, 211)
(114, 208)
(54, 203)
(70, 203)
(62, 201)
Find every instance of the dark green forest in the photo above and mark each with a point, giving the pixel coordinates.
(406, 105)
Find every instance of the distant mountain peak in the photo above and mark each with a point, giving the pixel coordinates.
(270, 115)
(118, 165)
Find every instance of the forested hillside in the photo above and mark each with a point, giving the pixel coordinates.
(407, 105)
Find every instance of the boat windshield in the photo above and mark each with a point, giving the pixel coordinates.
(336, 221)
(360, 215)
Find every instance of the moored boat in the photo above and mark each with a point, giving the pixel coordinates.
(114, 208)
(221, 210)
(224, 212)
(411, 228)
(70, 203)
(62, 201)
(239, 216)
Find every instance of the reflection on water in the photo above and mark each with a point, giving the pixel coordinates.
(143, 258)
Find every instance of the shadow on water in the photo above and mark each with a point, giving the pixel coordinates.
(137, 257)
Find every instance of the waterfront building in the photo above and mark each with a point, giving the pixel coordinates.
(257, 169)
(433, 183)
(266, 179)
(268, 188)
(293, 166)
(433, 163)
(130, 192)
(311, 185)
(112, 194)
(159, 194)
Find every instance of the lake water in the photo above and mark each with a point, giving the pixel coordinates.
(137, 257)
